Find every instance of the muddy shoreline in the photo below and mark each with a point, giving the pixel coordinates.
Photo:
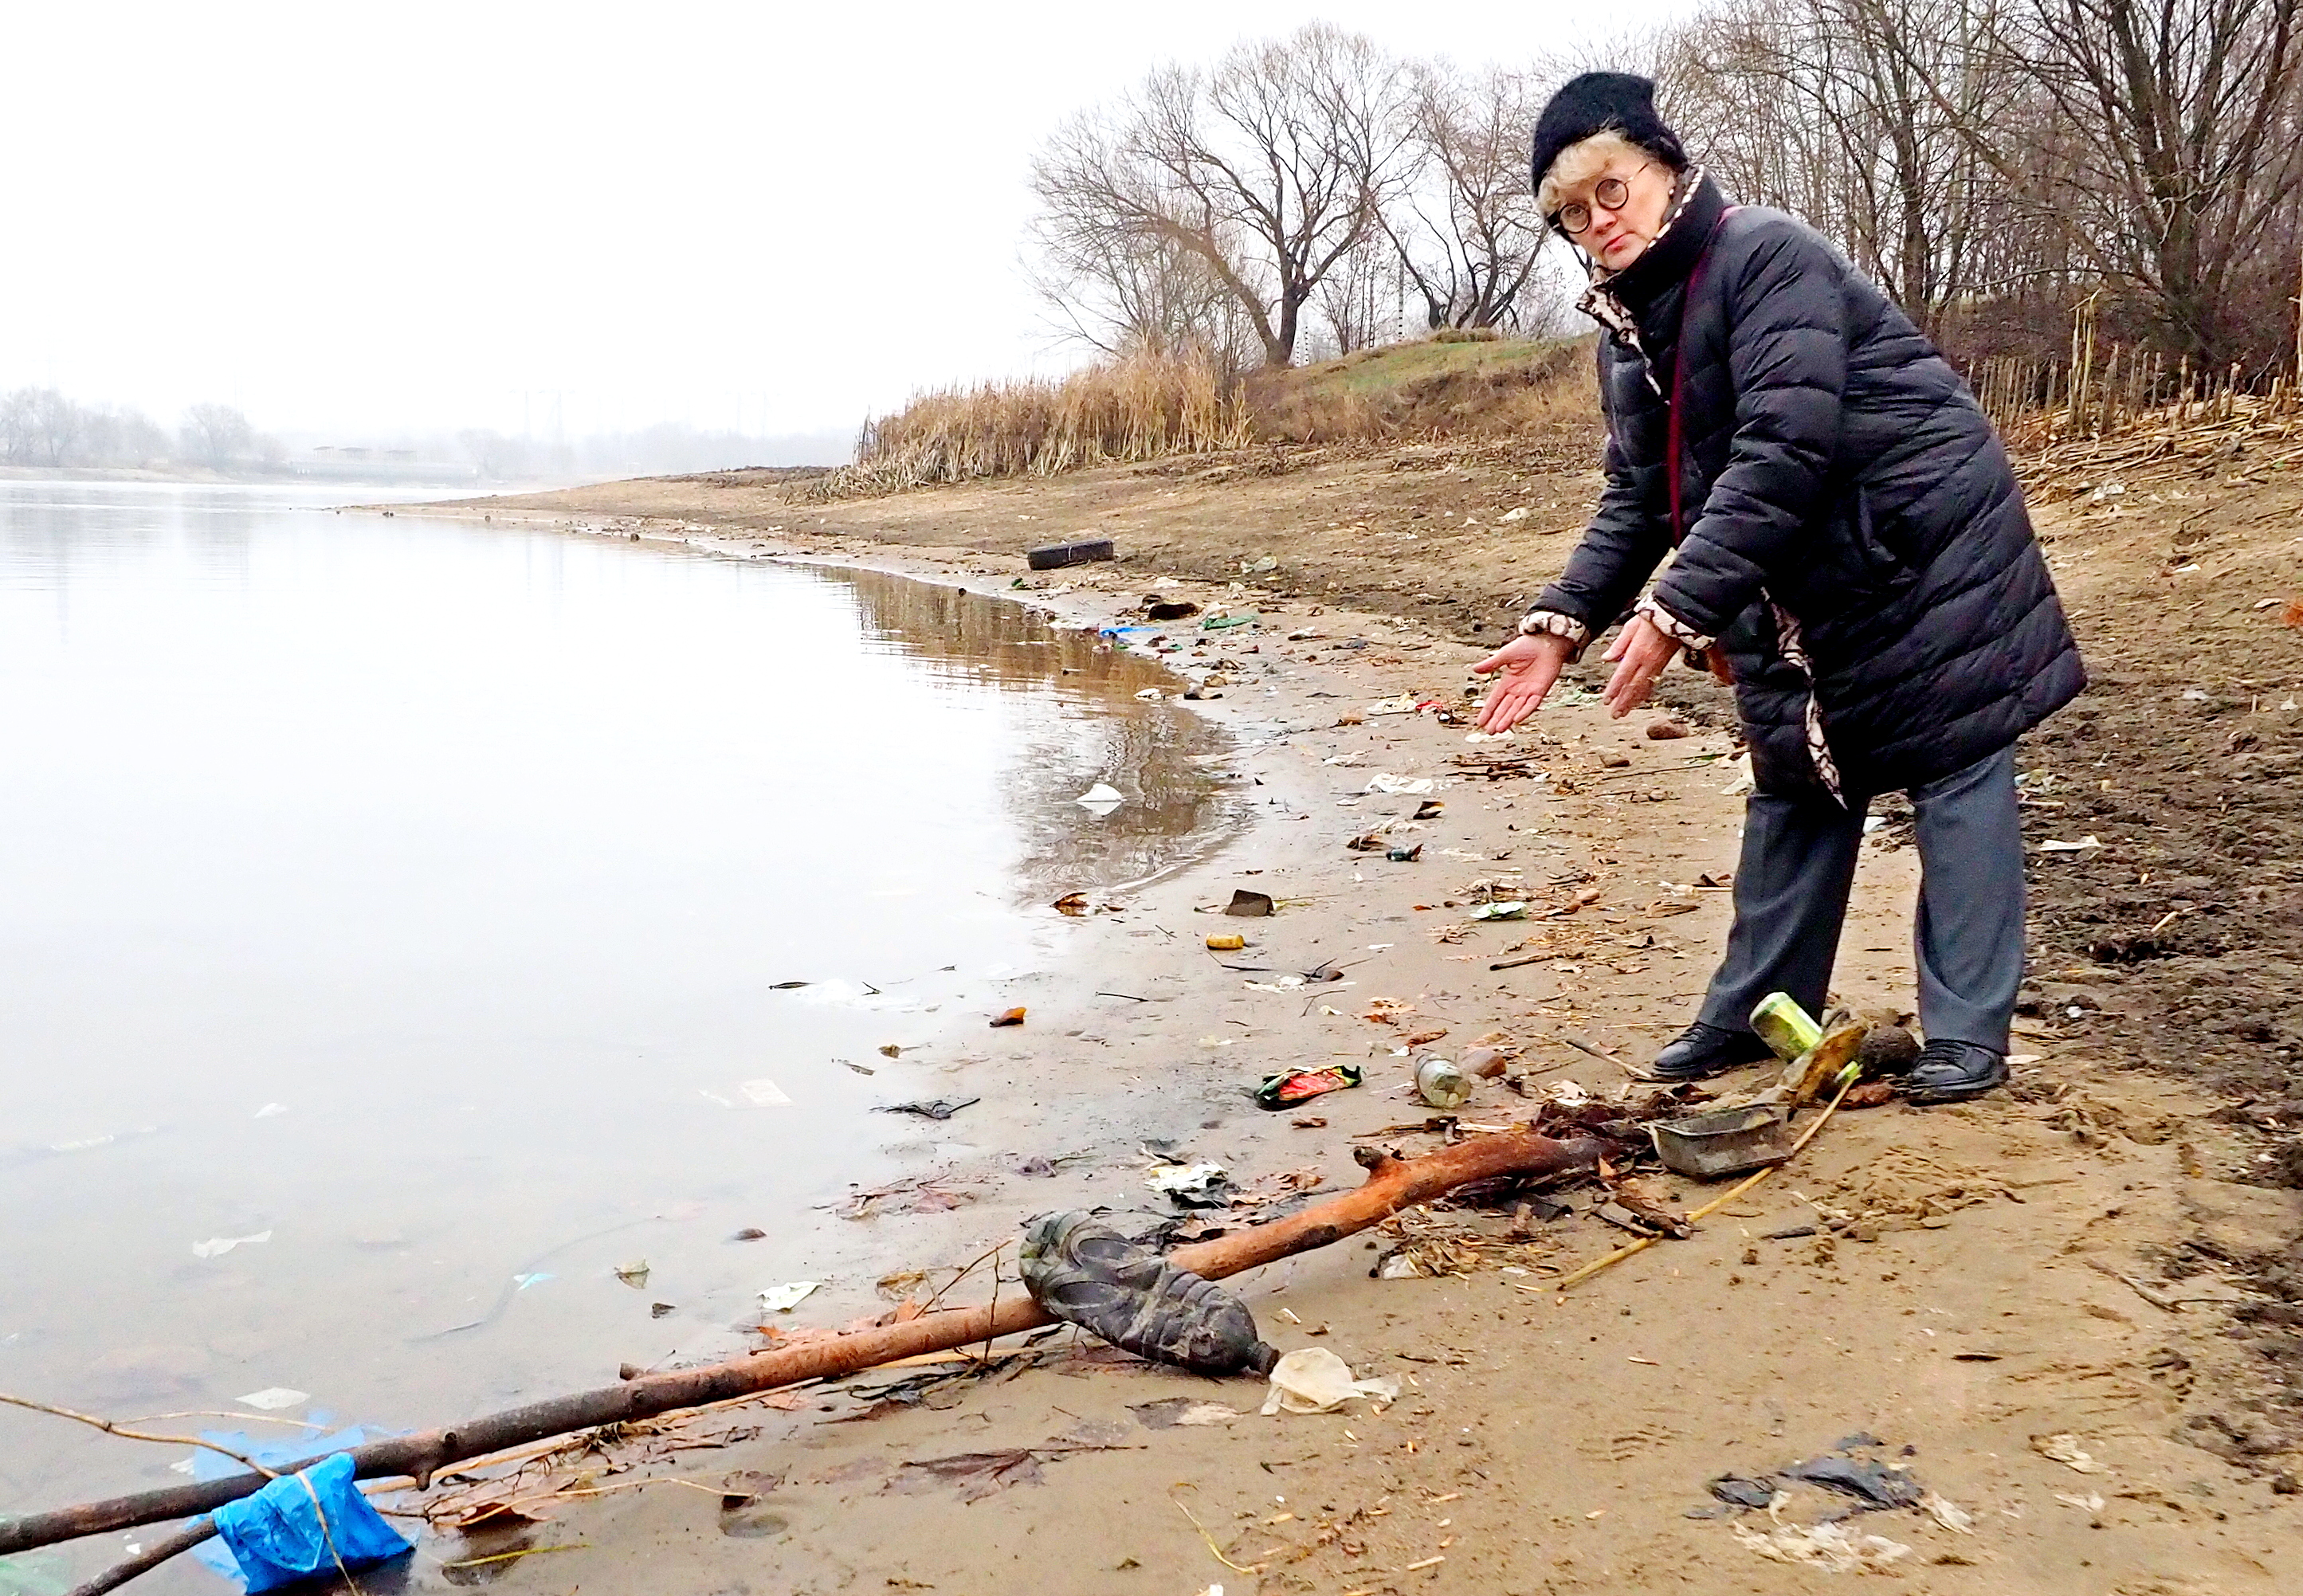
(1956, 1280)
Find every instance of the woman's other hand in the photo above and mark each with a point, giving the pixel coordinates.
(1640, 653)
(1528, 665)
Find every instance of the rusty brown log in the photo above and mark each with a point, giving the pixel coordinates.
(1392, 1184)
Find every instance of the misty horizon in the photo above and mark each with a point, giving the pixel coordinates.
(357, 225)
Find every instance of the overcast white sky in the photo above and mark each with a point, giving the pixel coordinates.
(365, 217)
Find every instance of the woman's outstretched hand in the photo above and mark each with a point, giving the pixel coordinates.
(1640, 653)
(1528, 666)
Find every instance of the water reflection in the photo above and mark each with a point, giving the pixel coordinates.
(406, 903)
(1154, 756)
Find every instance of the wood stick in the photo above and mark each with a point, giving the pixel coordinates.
(1392, 1184)
(144, 1561)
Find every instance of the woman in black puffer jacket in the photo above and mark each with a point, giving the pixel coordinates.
(1852, 550)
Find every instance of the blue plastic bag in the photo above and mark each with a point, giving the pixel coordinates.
(306, 1523)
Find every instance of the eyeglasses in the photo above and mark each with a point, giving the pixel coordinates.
(1609, 194)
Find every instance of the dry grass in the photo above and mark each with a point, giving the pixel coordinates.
(1452, 384)
(1133, 409)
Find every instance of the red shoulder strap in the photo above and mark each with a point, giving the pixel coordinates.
(1674, 431)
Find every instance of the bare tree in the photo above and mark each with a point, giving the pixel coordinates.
(216, 434)
(1269, 170)
(19, 427)
(1360, 297)
(1110, 278)
(2188, 111)
(1463, 223)
(56, 425)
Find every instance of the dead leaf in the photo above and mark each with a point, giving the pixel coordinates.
(975, 1475)
(1071, 903)
(746, 1485)
(1425, 1038)
(1008, 1016)
(1182, 1410)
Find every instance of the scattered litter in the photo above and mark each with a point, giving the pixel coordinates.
(1225, 942)
(1440, 1083)
(2088, 1503)
(1405, 705)
(1518, 514)
(1055, 555)
(1729, 1142)
(306, 1522)
(533, 1278)
(1397, 786)
(1195, 1186)
(1218, 623)
(764, 1093)
(218, 1245)
(272, 1399)
(938, 1108)
(1071, 903)
(1249, 906)
(270, 1109)
(1949, 1513)
(662, 1309)
(1169, 609)
(1864, 1478)
(1314, 1379)
(1183, 1410)
(634, 1274)
(1102, 796)
(1405, 855)
(784, 1298)
(749, 1233)
(1290, 1087)
(1827, 1546)
(2054, 846)
(1513, 910)
(1008, 1016)
(2065, 1449)
(1086, 1273)
(1737, 1491)
(1150, 695)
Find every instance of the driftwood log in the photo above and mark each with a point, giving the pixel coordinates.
(1392, 1185)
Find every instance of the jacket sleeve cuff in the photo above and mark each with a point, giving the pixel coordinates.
(1537, 623)
(1671, 625)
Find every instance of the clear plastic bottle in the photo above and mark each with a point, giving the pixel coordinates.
(1441, 1085)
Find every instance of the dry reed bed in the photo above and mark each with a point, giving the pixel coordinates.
(1133, 409)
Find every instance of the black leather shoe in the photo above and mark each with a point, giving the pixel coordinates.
(1954, 1071)
(1702, 1050)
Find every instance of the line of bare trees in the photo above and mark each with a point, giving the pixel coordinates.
(1992, 164)
(1311, 184)
(43, 426)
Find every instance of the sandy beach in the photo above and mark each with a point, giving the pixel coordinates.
(2093, 1255)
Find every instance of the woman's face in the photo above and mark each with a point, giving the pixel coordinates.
(1615, 238)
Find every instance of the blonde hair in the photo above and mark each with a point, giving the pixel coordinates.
(1582, 161)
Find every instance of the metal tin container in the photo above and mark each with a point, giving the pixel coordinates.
(1727, 1142)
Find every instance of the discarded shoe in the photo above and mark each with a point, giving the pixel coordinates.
(1950, 1071)
(1086, 1273)
(1703, 1049)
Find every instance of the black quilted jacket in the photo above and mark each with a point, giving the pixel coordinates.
(1835, 467)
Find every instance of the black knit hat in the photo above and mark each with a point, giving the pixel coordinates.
(1593, 102)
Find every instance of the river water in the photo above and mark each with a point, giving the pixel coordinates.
(392, 913)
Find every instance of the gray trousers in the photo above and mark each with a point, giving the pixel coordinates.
(1791, 899)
